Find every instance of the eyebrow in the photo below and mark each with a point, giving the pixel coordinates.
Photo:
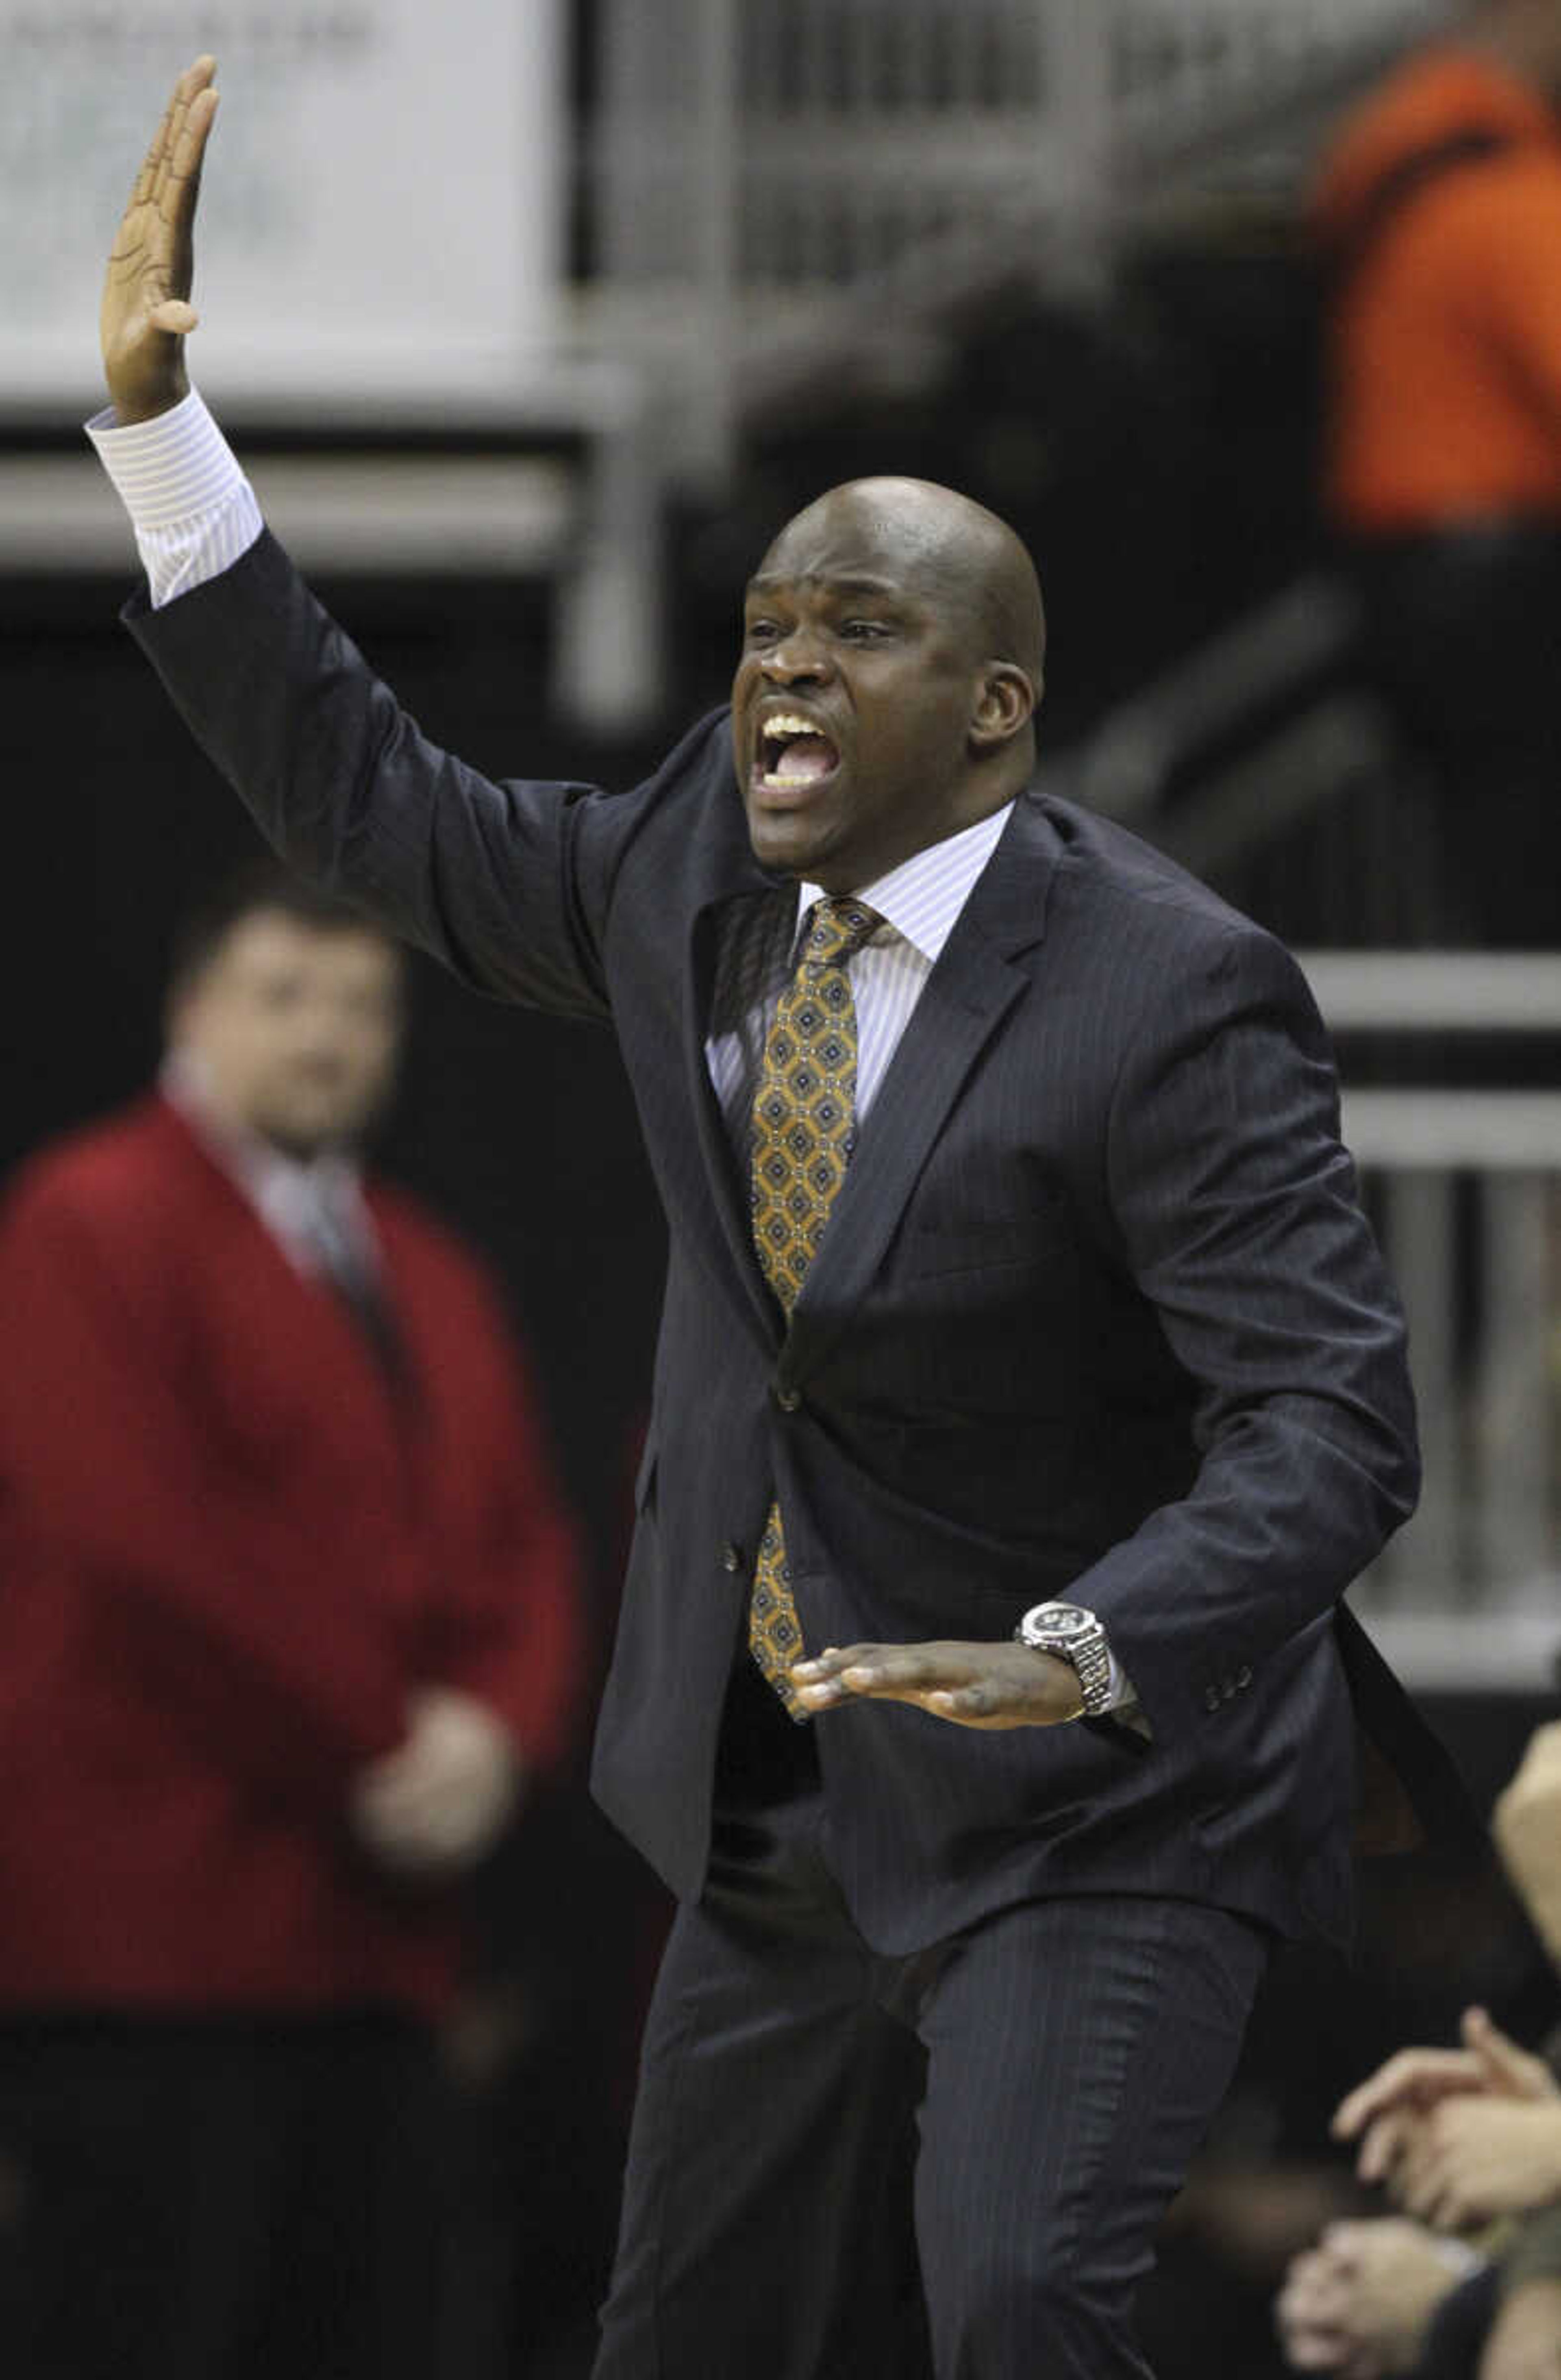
(855, 583)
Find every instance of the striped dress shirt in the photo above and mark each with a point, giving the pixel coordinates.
(193, 509)
(919, 903)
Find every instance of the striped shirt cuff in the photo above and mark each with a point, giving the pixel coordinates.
(193, 509)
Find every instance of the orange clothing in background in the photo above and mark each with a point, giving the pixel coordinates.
(1445, 341)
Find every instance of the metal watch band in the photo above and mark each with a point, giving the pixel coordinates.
(1082, 1644)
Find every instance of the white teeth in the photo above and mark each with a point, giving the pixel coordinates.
(782, 729)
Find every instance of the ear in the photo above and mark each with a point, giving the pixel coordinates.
(1006, 703)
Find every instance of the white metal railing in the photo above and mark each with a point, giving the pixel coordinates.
(809, 139)
(1466, 1184)
(1178, 72)
(744, 155)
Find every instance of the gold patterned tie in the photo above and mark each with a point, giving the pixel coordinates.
(804, 1126)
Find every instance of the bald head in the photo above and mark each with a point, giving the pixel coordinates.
(885, 697)
(960, 555)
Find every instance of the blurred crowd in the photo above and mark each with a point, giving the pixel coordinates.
(1464, 2282)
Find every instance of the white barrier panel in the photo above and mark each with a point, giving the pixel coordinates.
(380, 220)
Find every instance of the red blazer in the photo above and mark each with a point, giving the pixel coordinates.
(228, 1552)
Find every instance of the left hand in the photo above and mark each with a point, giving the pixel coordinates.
(439, 1801)
(1524, 2341)
(975, 1686)
(1470, 2159)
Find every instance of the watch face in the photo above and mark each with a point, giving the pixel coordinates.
(1063, 1619)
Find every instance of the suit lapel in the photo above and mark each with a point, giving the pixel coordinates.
(721, 881)
(975, 982)
(720, 1185)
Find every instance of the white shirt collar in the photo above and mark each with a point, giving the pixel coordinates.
(286, 1191)
(922, 897)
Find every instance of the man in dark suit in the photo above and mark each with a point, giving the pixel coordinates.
(1029, 1392)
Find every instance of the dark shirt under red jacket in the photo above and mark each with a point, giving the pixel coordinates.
(229, 1550)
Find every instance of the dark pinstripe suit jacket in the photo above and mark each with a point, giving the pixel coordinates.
(1097, 1313)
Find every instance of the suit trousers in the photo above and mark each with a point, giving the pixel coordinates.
(218, 2198)
(851, 2167)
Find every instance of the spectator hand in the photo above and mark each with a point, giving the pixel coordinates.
(1470, 2159)
(146, 312)
(1386, 2110)
(1525, 2339)
(996, 1686)
(1528, 1831)
(435, 1804)
(1359, 2303)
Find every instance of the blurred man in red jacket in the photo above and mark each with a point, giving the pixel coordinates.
(288, 1623)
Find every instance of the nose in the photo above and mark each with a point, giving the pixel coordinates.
(798, 655)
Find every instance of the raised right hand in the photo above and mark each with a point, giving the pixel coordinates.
(146, 312)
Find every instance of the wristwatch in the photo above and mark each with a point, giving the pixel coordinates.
(1077, 1637)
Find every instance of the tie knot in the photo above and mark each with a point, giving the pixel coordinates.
(836, 929)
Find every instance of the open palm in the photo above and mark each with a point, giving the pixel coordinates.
(146, 310)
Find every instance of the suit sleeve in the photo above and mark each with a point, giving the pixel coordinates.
(507, 884)
(1237, 1211)
(202, 1581)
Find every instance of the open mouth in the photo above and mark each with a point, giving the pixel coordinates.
(793, 752)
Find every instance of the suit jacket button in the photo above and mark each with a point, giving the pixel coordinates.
(1243, 1676)
(788, 1400)
(731, 1556)
(1211, 1698)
